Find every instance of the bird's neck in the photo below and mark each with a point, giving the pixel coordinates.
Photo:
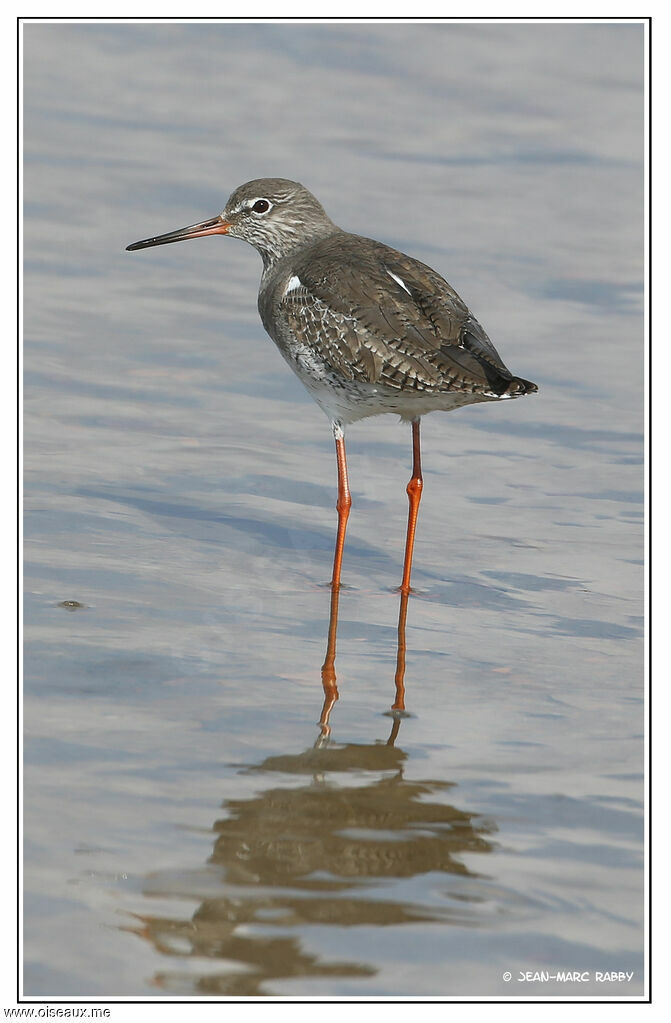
(292, 242)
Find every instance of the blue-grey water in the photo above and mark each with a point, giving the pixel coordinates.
(189, 829)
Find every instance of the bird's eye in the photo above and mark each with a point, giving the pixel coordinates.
(261, 206)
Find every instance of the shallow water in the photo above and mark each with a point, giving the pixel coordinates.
(190, 827)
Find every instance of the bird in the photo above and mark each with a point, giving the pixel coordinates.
(367, 329)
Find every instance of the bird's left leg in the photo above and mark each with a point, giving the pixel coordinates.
(414, 492)
(344, 502)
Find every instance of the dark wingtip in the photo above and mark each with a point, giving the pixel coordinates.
(520, 386)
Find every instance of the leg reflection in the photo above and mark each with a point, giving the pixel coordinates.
(399, 678)
(329, 680)
(328, 667)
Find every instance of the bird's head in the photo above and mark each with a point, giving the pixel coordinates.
(274, 215)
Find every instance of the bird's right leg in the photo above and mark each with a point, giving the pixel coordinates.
(414, 491)
(344, 503)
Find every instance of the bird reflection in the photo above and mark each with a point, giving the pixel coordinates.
(319, 844)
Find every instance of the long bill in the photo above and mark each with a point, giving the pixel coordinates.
(216, 225)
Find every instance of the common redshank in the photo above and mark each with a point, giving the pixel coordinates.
(367, 329)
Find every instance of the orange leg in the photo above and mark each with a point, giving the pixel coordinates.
(414, 492)
(344, 503)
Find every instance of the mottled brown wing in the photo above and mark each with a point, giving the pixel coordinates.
(440, 304)
(384, 317)
(337, 340)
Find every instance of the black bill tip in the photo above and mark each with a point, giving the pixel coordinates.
(215, 225)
